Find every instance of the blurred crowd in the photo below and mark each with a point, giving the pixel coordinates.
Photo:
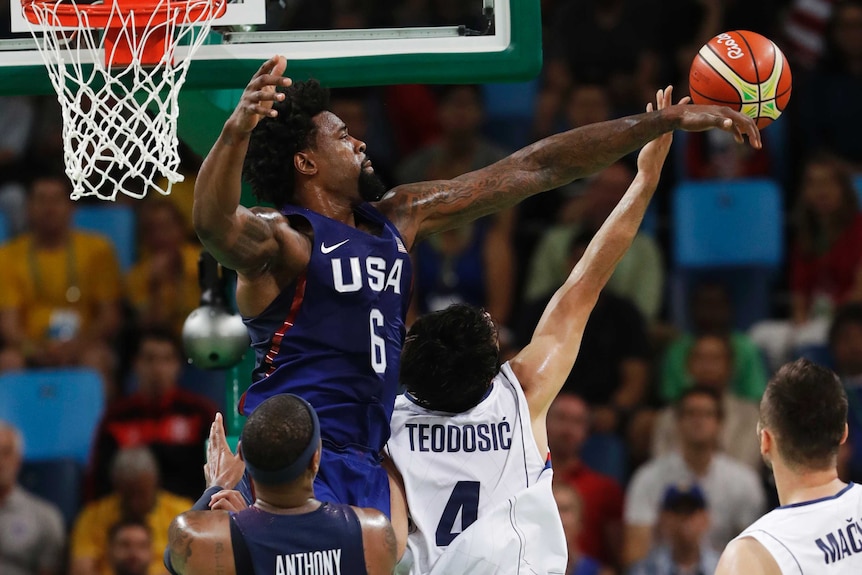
(656, 458)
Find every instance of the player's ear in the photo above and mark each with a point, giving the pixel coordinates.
(766, 440)
(844, 436)
(303, 164)
(314, 464)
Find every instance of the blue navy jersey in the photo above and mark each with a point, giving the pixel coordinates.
(327, 540)
(334, 337)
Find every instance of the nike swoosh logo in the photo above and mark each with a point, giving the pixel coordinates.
(327, 249)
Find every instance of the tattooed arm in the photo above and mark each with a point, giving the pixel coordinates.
(199, 544)
(419, 210)
(241, 239)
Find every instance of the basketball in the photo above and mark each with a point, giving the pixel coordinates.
(744, 71)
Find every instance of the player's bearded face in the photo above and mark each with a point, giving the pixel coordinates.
(371, 188)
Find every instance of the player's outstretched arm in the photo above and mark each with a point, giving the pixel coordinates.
(378, 541)
(239, 238)
(199, 544)
(544, 364)
(746, 556)
(424, 208)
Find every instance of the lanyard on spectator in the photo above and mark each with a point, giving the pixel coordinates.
(73, 292)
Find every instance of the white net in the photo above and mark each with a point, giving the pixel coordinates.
(119, 102)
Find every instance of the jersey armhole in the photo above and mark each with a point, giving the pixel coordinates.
(781, 554)
(241, 555)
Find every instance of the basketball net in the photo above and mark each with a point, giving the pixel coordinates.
(117, 74)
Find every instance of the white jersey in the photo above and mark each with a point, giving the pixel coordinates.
(478, 490)
(820, 537)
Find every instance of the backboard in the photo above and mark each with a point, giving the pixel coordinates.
(499, 42)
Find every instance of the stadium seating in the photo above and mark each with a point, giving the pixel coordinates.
(117, 223)
(730, 232)
(57, 412)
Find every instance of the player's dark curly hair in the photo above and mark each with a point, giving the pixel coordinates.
(449, 358)
(805, 406)
(268, 165)
(276, 433)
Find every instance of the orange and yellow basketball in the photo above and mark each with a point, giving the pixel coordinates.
(744, 71)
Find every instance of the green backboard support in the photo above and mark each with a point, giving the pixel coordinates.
(221, 65)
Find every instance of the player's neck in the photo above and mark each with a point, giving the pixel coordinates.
(800, 487)
(287, 502)
(327, 203)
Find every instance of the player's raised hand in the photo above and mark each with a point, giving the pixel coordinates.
(653, 154)
(223, 468)
(693, 118)
(261, 92)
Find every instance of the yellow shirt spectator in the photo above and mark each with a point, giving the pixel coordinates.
(59, 288)
(90, 533)
(163, 289)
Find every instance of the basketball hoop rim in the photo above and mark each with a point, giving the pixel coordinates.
(68, 14)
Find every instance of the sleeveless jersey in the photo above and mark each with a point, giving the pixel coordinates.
(478, 491)
(334, 338)
(819, 537)
(327, 541)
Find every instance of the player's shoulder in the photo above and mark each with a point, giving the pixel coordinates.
(378, 538)
(747, 555)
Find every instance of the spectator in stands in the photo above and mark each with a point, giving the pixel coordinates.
(836, 85)
(825, 261)
(130, 548)
(16, 127)
(172, 422)
(182, 193)
(473, 264)
(162, 286)
(136, 496)
(710, 365)
(32, 536)
(612, 369)
(684, 524)
(571, 508)
(608, 42)
(732, 489)
(59, 298)
(845, 344)
(639, 277)
(601, 498)
(711, 314)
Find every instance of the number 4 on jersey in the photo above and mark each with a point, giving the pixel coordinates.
(464, 498)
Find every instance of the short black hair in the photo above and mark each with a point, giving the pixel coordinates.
(449, 358)
(702, 391)
(268, 165)
(128, 522)
(276, 433)
(847, 314)
(805, 406)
